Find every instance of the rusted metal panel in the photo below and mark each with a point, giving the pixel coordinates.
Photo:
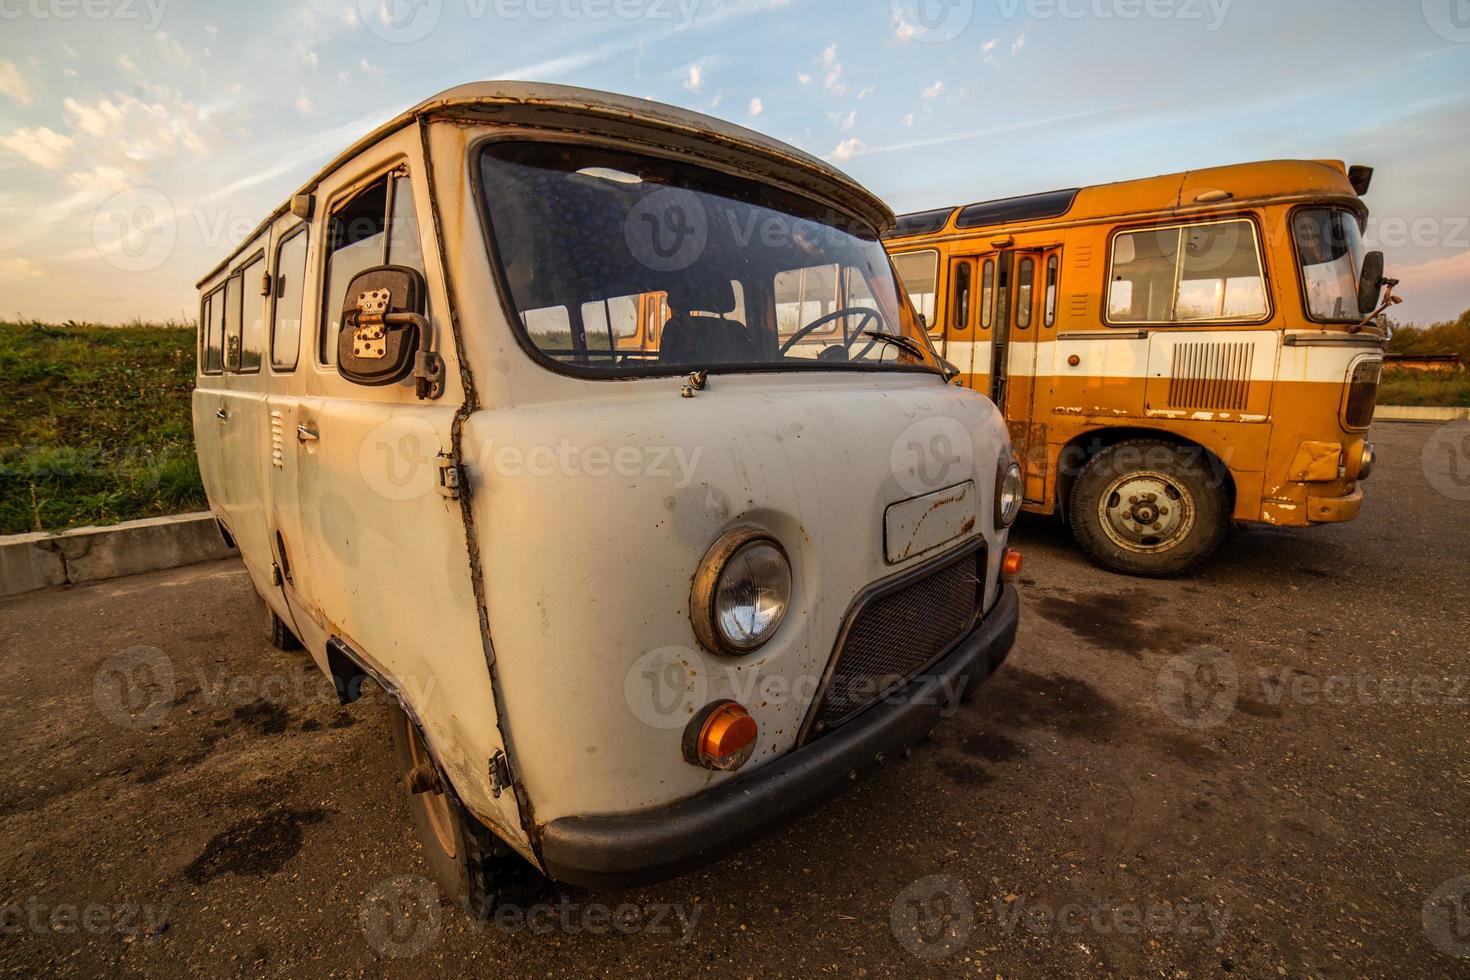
(919, 525)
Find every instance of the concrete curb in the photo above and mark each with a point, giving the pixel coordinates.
(91, 554)
(1419, 413)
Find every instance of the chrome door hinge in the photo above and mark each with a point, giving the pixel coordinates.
(499, 773)
(451, 477)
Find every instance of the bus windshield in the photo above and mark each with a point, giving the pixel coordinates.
(1329, 243)
(622, 265)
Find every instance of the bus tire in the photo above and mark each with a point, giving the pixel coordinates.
(1150, 508)
(472, 867)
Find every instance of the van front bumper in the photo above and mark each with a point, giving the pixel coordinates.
(638, 848)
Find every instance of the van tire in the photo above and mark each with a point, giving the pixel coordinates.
(472, 867)
(276, 632)
(1150, 508)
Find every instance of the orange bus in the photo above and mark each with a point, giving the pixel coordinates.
(1173, 355)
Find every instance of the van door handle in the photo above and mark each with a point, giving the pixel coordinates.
(303, 434)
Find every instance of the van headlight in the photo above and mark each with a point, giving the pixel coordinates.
(1008, 491)
(741, 592)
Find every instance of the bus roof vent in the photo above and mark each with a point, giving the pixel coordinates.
(920, 223)
(1052, 204)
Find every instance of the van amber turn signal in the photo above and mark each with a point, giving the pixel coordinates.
(721, 737)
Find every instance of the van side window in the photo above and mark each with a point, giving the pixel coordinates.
(232, 322)
(1187, 273)
(213, 328)
(252, 316)
(378, 226)
(290, 283)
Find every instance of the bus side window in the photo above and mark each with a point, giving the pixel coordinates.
(920, 274)
(987, 294)
(962, 296)
(1025, 277)
(1052, 269)
(232, 321)
(290, 291)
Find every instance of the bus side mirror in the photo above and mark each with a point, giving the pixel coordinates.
(385, 336)
(1370, 283)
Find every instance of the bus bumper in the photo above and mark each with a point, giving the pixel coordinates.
(1316, 510)
(638, 848)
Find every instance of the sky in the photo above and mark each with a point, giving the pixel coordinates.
(140, 140)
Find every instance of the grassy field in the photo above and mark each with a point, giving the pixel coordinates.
(1418, 388)
(94, 424)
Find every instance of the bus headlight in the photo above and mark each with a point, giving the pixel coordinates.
(741, 592)
(1008, 491)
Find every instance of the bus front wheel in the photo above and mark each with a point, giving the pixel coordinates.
(1150, 508)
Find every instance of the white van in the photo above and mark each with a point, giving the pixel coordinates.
(601, 435)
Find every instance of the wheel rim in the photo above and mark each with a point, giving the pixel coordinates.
(435, 802)
(1146, 512)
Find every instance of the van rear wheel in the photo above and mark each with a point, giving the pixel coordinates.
(471, 866)
(273, 628)
(1149, 508)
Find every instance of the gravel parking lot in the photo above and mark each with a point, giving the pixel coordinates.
(1261, 769)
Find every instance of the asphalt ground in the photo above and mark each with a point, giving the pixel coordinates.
(1259, 770)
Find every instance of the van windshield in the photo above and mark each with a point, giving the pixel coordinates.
(625, 265)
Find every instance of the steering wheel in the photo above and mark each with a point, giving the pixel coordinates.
(848, 336)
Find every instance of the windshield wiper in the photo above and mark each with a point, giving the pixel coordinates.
(911, 347)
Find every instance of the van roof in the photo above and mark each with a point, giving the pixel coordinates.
(1243, 182)
(561, 105)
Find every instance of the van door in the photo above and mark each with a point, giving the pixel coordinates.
(239, 417)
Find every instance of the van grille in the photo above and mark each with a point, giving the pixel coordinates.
(898, 633)
(1362, 397)
(1211, 376)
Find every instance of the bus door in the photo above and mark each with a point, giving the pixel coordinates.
(969, 316)
(1026, 315)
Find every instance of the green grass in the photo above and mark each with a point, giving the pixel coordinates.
(1402, 387)
(94, 424)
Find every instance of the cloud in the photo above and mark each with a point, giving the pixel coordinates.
(693, 78)
(933, 92)
(845, 120)
(13, 84)
(303, 104)
(1454, 269)
(832, 68)
(987, 52)
(1018, 43)
(803, 78)
(44, 147)
(909, 119)
(757, 107)
(18, 268)
(848, 149)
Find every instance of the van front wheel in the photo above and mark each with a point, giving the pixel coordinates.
(1150, 508)
(471, 866)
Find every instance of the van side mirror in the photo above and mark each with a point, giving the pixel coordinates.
(385, 336)
(1370, 283)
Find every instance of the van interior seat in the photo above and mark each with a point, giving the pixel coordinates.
(699, 338)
